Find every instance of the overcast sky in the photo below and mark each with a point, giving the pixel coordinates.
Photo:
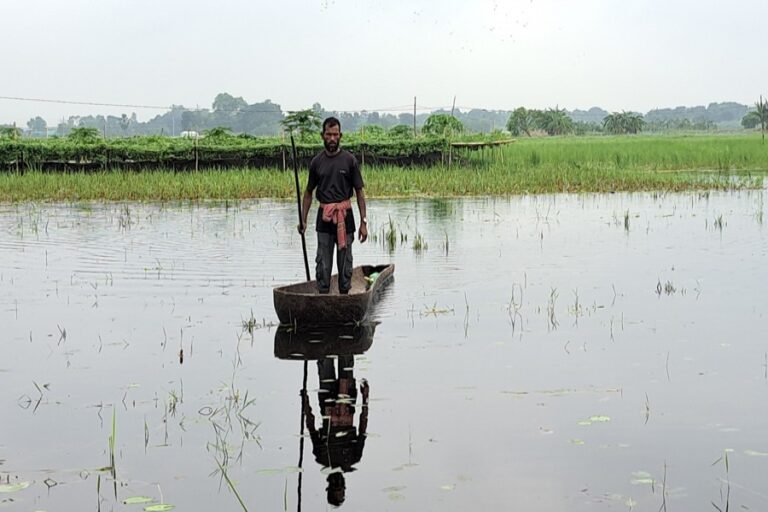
(379, 54)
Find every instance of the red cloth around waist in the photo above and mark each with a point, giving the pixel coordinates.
(336, 213)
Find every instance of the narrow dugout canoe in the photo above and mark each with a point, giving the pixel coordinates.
(321, 342)
(300, 304)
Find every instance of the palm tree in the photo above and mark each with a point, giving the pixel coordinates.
(520, 121)
(633, 122)
(762, 111)
(612, 123)
(623, 122)
(555, 121)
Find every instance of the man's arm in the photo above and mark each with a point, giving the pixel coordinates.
(310, 418)
(364, 390)
(307, 201)
(363, 231)
(305, 205)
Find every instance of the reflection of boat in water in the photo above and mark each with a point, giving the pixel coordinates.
(318, 343)
(301, 304)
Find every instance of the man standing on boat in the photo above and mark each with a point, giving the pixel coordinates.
(334, 173)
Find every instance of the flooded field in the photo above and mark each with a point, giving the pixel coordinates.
(552, 353)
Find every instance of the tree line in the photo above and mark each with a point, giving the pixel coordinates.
(266, 118)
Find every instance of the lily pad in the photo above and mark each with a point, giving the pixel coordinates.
(7, 488)
(269, 471)
(279, 471)
(641, 478)
(642, 481)
(138, 500)
(159, 508)
(594, 419)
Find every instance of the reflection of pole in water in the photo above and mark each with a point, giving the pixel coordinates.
(301, 436)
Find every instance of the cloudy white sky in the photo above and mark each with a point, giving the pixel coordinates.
(377, 54)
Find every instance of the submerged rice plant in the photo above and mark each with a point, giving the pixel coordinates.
(419, 244)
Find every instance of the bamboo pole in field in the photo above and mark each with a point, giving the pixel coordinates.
(282, 148)
(362, 145)
(21, 150)
(762, 117)
(414, 117)
(197, 154)
(450, 135)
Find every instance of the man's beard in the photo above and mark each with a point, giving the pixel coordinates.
(331, 147)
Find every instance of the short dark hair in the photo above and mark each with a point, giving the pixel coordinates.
(336, 488)
(331, 121)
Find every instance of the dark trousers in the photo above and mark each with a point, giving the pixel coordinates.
(325, 245)
(328, 392)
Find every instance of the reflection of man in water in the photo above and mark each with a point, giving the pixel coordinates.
(338, 445)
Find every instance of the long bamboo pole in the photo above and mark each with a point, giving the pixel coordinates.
(301, 439)
(306, 269)
(298, 204)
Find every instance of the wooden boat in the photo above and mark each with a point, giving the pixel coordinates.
(300, 304)
(320, 342)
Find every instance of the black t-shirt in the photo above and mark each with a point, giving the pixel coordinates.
(338, 447)
(334, 177)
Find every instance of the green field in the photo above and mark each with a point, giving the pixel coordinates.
(643, 152)
(539, 165)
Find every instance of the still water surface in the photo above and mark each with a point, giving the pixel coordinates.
(553, 353)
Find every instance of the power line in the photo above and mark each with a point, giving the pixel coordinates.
(129, 105)
(399, 108)
(88, 103)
